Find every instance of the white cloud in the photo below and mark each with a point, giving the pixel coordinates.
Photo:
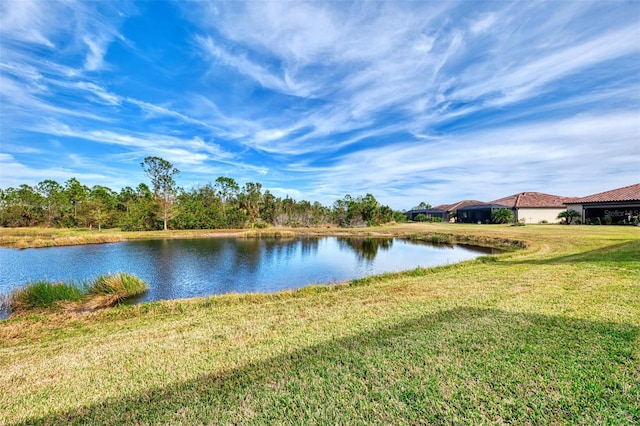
(25, 104)
(60, 26)
(18, 149)
(14, 173)
(27, 21)
(152, 110)
(298, 31)
(530, 78)
(181, 151)
(485, 23)
(267, 78)
(99, 93)
(95, 56)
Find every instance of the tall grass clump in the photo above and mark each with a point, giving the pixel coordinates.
(103, 291)
(119, 285)
(41, 294)
(441, 239)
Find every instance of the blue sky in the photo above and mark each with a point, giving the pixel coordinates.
(411, 101)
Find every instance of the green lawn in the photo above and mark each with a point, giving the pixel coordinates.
(547, 334)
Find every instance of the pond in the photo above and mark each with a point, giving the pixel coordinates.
(203, 267)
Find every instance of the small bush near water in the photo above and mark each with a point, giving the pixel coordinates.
(42, 294)
(124, 285)
(111, 289)
(103, 291)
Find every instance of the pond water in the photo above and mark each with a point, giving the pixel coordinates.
(203, 267)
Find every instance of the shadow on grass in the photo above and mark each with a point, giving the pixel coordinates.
(624, 252)
(459, 366)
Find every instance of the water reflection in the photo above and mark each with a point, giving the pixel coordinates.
(202, 267)
(366, 248)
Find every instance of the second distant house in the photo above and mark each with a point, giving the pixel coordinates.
(451, 210)
(478, 213)
(445, 212)
(428, 214)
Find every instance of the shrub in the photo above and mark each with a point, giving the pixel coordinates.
(568, 215)
(502, 216)
(608, 220)
(399, 217)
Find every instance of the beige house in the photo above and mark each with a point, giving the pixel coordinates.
(535, 207)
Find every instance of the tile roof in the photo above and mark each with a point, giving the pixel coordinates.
(626, 193)
(533, 199)
(484, 206)
(458, 205)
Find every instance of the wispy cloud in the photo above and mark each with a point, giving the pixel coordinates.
(244, 65)
(186, 152)
(100, 94)
(396, 57)
(27, 21)
(529, 79)
(61, 26)
(28, 103)
(492, 162)
(14, 173)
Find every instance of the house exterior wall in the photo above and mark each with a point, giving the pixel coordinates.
(538, 214)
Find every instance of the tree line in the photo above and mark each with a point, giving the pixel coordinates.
(163, 205)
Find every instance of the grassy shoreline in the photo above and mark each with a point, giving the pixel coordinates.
(547, 334)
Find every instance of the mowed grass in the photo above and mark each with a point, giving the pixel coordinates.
(545, 335)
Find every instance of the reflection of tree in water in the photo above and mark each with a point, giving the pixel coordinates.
(253, 252)
(275, 248)
(366, 248)
(436, 245)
